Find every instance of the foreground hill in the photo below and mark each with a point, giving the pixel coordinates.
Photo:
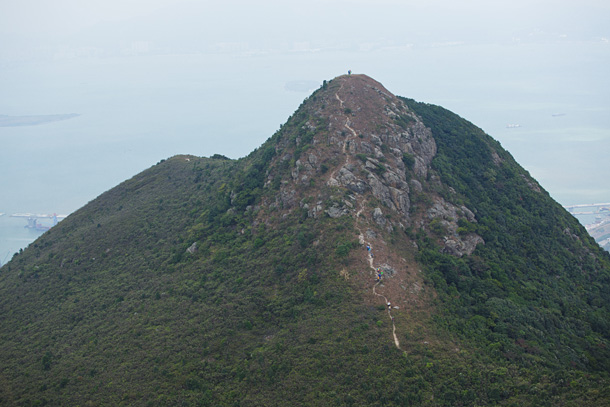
(209, 281)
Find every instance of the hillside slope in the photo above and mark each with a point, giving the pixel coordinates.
(209, 281)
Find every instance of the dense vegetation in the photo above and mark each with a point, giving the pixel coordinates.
(179, 287)
(537, 292)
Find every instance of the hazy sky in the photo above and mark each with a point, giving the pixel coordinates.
(153, 78)
(184, 24)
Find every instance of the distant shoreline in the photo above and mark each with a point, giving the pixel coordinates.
(34, 120)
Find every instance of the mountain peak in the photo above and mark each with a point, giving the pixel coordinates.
(210, 281)
(364, 99)
(355, 152)
(353, 134)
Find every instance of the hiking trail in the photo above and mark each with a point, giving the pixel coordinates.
(372, 267)
(350, 136)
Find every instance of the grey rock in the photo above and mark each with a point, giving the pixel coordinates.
(346, 176)
(369, 165)
(449, 214)
(416, 185)
(378, 217)
(468, 214)
(287, 197)
(192, 248)
(349, 180)
(465, 245)
(401, 200)
(366, 148)
(380, 191)
(358, 187)
(313, 160)
(387, 270)
(313, 212)
(392, 178)
(335, 212)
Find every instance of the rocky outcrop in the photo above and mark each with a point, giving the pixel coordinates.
(347, 178)
(462, 245)
(378, 217)
(443, 219)
(376, 148)
(287, 197)
(388, 271)
(192, 248)
(336, 212)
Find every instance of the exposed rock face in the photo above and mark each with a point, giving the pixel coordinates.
(445, 215)
(287, 197)
(347, 178)
(388, 270)
(378, 217)
(459, 246)
(387, 131)
(376, 148)
(335, 212)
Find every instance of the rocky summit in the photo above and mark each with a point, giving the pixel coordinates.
(380, 150)
(374, 251)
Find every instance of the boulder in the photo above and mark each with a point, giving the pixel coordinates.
(378, 217)
(192, 248)
(335, 212)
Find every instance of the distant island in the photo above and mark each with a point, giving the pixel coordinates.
(33, 120)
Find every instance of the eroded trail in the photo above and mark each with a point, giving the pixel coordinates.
(350, 136)
(372, 267)
(347, 126)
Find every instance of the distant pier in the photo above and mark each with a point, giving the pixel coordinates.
(599, 208)
(33, 218)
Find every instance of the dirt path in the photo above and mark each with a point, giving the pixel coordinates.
(344, 148)
(347, 121)
(361, 235)
(348, 138)
(372, 267)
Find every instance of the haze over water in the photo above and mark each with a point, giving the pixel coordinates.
(144, 95)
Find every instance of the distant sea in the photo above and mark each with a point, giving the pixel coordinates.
(134, 111)
(14, 236)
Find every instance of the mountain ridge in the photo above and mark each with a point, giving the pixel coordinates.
(210, 281)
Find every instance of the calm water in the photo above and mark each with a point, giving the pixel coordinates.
(14, 236)
(136, 111)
